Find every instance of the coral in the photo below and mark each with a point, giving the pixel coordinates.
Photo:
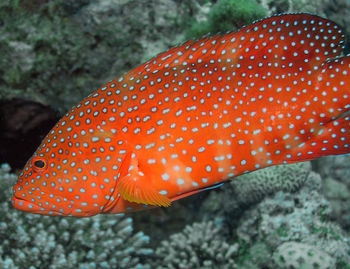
(339, 10)
(301, 217)
(35, 241)
(57, 52)
(268, 212)
(300, 255)
(288, 6)
(336, 186)
(227, 15)
(200, 245)
(6, 180)
(280, 221)
(251, 188)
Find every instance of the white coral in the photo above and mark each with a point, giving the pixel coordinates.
(198, 246)
(35, 241)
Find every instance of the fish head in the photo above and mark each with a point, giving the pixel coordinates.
(63, 177)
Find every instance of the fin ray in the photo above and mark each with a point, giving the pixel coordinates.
(134, 187)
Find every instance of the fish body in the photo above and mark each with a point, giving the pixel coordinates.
(197, 115)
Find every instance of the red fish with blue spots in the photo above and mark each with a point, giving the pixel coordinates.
(195, 116)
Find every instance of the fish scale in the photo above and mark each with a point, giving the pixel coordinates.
(194, 117)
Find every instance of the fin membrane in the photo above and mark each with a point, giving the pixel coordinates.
(135, 187)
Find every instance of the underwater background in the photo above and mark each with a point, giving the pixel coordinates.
(54, 53)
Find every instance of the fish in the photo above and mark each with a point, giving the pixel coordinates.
(194, 117)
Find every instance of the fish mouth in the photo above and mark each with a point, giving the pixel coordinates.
(24, 205)
(27, 206)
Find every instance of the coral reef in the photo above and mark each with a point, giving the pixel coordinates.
(259, 218)
(227, 15)
(34, 241)
(6, 180)
(200, 245)
(299, 255)
(301, 217)
(249, 189)
(54, 53)
(336, 186)
(57, 52)
(266, 235)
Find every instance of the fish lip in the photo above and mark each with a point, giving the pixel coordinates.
(26, 206)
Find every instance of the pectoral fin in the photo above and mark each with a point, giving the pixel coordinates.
(135, 187)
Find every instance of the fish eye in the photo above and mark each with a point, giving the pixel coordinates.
(39, 164)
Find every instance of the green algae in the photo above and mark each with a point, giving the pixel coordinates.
(227, 15)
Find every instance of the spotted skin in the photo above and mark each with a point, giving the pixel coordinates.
(195, 116)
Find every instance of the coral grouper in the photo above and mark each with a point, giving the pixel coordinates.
(275, 92)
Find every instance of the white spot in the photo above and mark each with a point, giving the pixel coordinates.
(180, 181)
(165, 176)
(208, 168)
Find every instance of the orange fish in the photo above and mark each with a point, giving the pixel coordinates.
(275, 92)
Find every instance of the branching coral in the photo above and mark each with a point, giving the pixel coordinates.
(200, 245)
(6, 179)
(34, 241)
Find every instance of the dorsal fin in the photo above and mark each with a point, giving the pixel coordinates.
(304, 37)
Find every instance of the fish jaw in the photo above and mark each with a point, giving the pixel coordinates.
(52, 205)
(26, 206)
(29, 200)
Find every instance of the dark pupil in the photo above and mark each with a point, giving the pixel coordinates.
(39, 164)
